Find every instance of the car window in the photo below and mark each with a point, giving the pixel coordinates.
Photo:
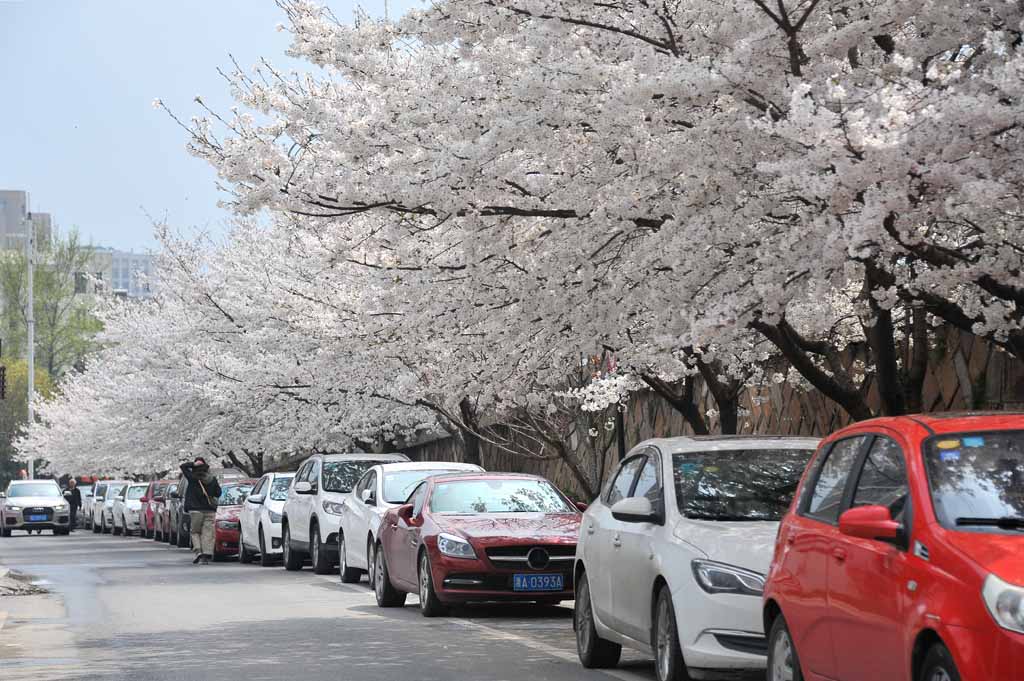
(363, 484)
(417, 499)
(303, 470)
(623, 482)
(371, 484)
(258, 489)
(100, 490)
(313, 476)
(830, 485)
(647, 483)
(883, 478)
(35, 489)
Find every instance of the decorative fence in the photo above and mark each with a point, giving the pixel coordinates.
(965, 373)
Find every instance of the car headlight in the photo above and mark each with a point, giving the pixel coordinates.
(333, 508)
(13, 508)
(228, 525)
(275, 517)
(1006, 603)
(62, 507)
(453, 546)
(721, 578)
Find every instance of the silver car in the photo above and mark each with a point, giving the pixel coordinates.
(34, 505)
(103, 504)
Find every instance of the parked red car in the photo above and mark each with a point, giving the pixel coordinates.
(477, 537)
(147, 514)
(902, 557)
(227, 526)
(162, 513)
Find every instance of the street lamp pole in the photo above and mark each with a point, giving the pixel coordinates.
(30, 322)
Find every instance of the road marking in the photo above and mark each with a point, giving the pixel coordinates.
(542, 647)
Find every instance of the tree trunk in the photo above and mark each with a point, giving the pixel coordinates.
(470, 439)
(682, 401)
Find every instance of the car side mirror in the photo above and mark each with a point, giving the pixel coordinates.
(367, 496)
(405, 513)
(144, 500)
(581, 506)
(635, 510)
(2, 495)
(255, 498)
(175, 495)
(870, 522)
(303, 488)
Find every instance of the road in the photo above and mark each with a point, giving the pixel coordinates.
(129, 608)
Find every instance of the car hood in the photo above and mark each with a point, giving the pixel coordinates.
(228, 512)
(996, 553)
(535, 526)
(133, 504)
(34, 501)
(745, 544)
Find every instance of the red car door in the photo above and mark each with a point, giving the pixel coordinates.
(811, 536)
(868, 579)
(405, 540)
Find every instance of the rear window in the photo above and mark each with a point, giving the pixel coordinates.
(739, 484)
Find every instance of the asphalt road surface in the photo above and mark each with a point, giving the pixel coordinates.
(130, 608)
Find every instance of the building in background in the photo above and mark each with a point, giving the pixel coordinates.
(14, 207)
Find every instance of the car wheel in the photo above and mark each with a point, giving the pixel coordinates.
(371, 561)
(292, 561)
(183, 538)
(317, 555)
(348, 574)
(783, 662)
(594, 651)
(5, 532)
(245, 556)
(668, 656)
(95, 527)
(430, 604)
(103, 526)
(387, 595)
(938, 665)
(266, 560)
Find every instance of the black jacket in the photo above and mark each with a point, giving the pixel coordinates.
(202, 490)
(74, 497)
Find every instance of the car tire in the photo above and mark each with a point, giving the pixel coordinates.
(95, 527)
(783, 661)
(292, 561)
(245, 556)
(938, 664)
(387, 595)
(430, 604)
(371, 560)
(5, 532)
(183, 539)
(594, 651)
(103, 526)
(668, 655)
(349, 575)
(266, 560)
(317, 555)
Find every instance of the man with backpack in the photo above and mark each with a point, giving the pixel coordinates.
(201, 505)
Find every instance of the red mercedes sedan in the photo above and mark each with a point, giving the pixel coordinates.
(477, 537)
(227, 526)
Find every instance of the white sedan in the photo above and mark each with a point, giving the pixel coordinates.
(382, 487)
(672, 557)
(260, 519)
(126, 509)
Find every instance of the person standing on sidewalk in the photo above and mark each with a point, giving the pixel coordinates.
(201, 504)
(74, 497)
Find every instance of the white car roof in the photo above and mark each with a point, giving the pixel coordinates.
(427, 466)
(365, 457)
(15, 483)
(713, 443)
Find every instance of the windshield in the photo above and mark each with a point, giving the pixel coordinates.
(232, 495)
(279, 488)
(341, 476)
(498, 496)
(977, 476)
(738, 484)
(85, 489)
(34, 489)
(160, 490)
(114, 491)
(399, 485)
(136, 492)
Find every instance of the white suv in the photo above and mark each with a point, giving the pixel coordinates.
(312, 514)
(34, 505)
(383, 486)
(672, 556)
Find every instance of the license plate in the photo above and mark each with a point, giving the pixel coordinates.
(36, 518)
(538, 582)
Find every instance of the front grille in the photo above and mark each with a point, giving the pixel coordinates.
(754, 645)
(559, 557)
(46, 512)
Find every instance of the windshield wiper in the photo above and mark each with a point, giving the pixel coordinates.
(1005, 523)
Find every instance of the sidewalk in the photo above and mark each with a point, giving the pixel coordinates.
(34, 639)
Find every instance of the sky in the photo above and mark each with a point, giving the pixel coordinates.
(78, 130)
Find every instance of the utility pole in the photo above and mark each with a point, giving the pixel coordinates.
(387, 14)
(30, 322)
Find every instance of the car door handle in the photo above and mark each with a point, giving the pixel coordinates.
(590, 528)
(839, 554)
(616, 542)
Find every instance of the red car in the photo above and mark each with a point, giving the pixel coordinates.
(227, 526)
(902, 556)
(477, 537)
(162, 514)
(150, 500)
